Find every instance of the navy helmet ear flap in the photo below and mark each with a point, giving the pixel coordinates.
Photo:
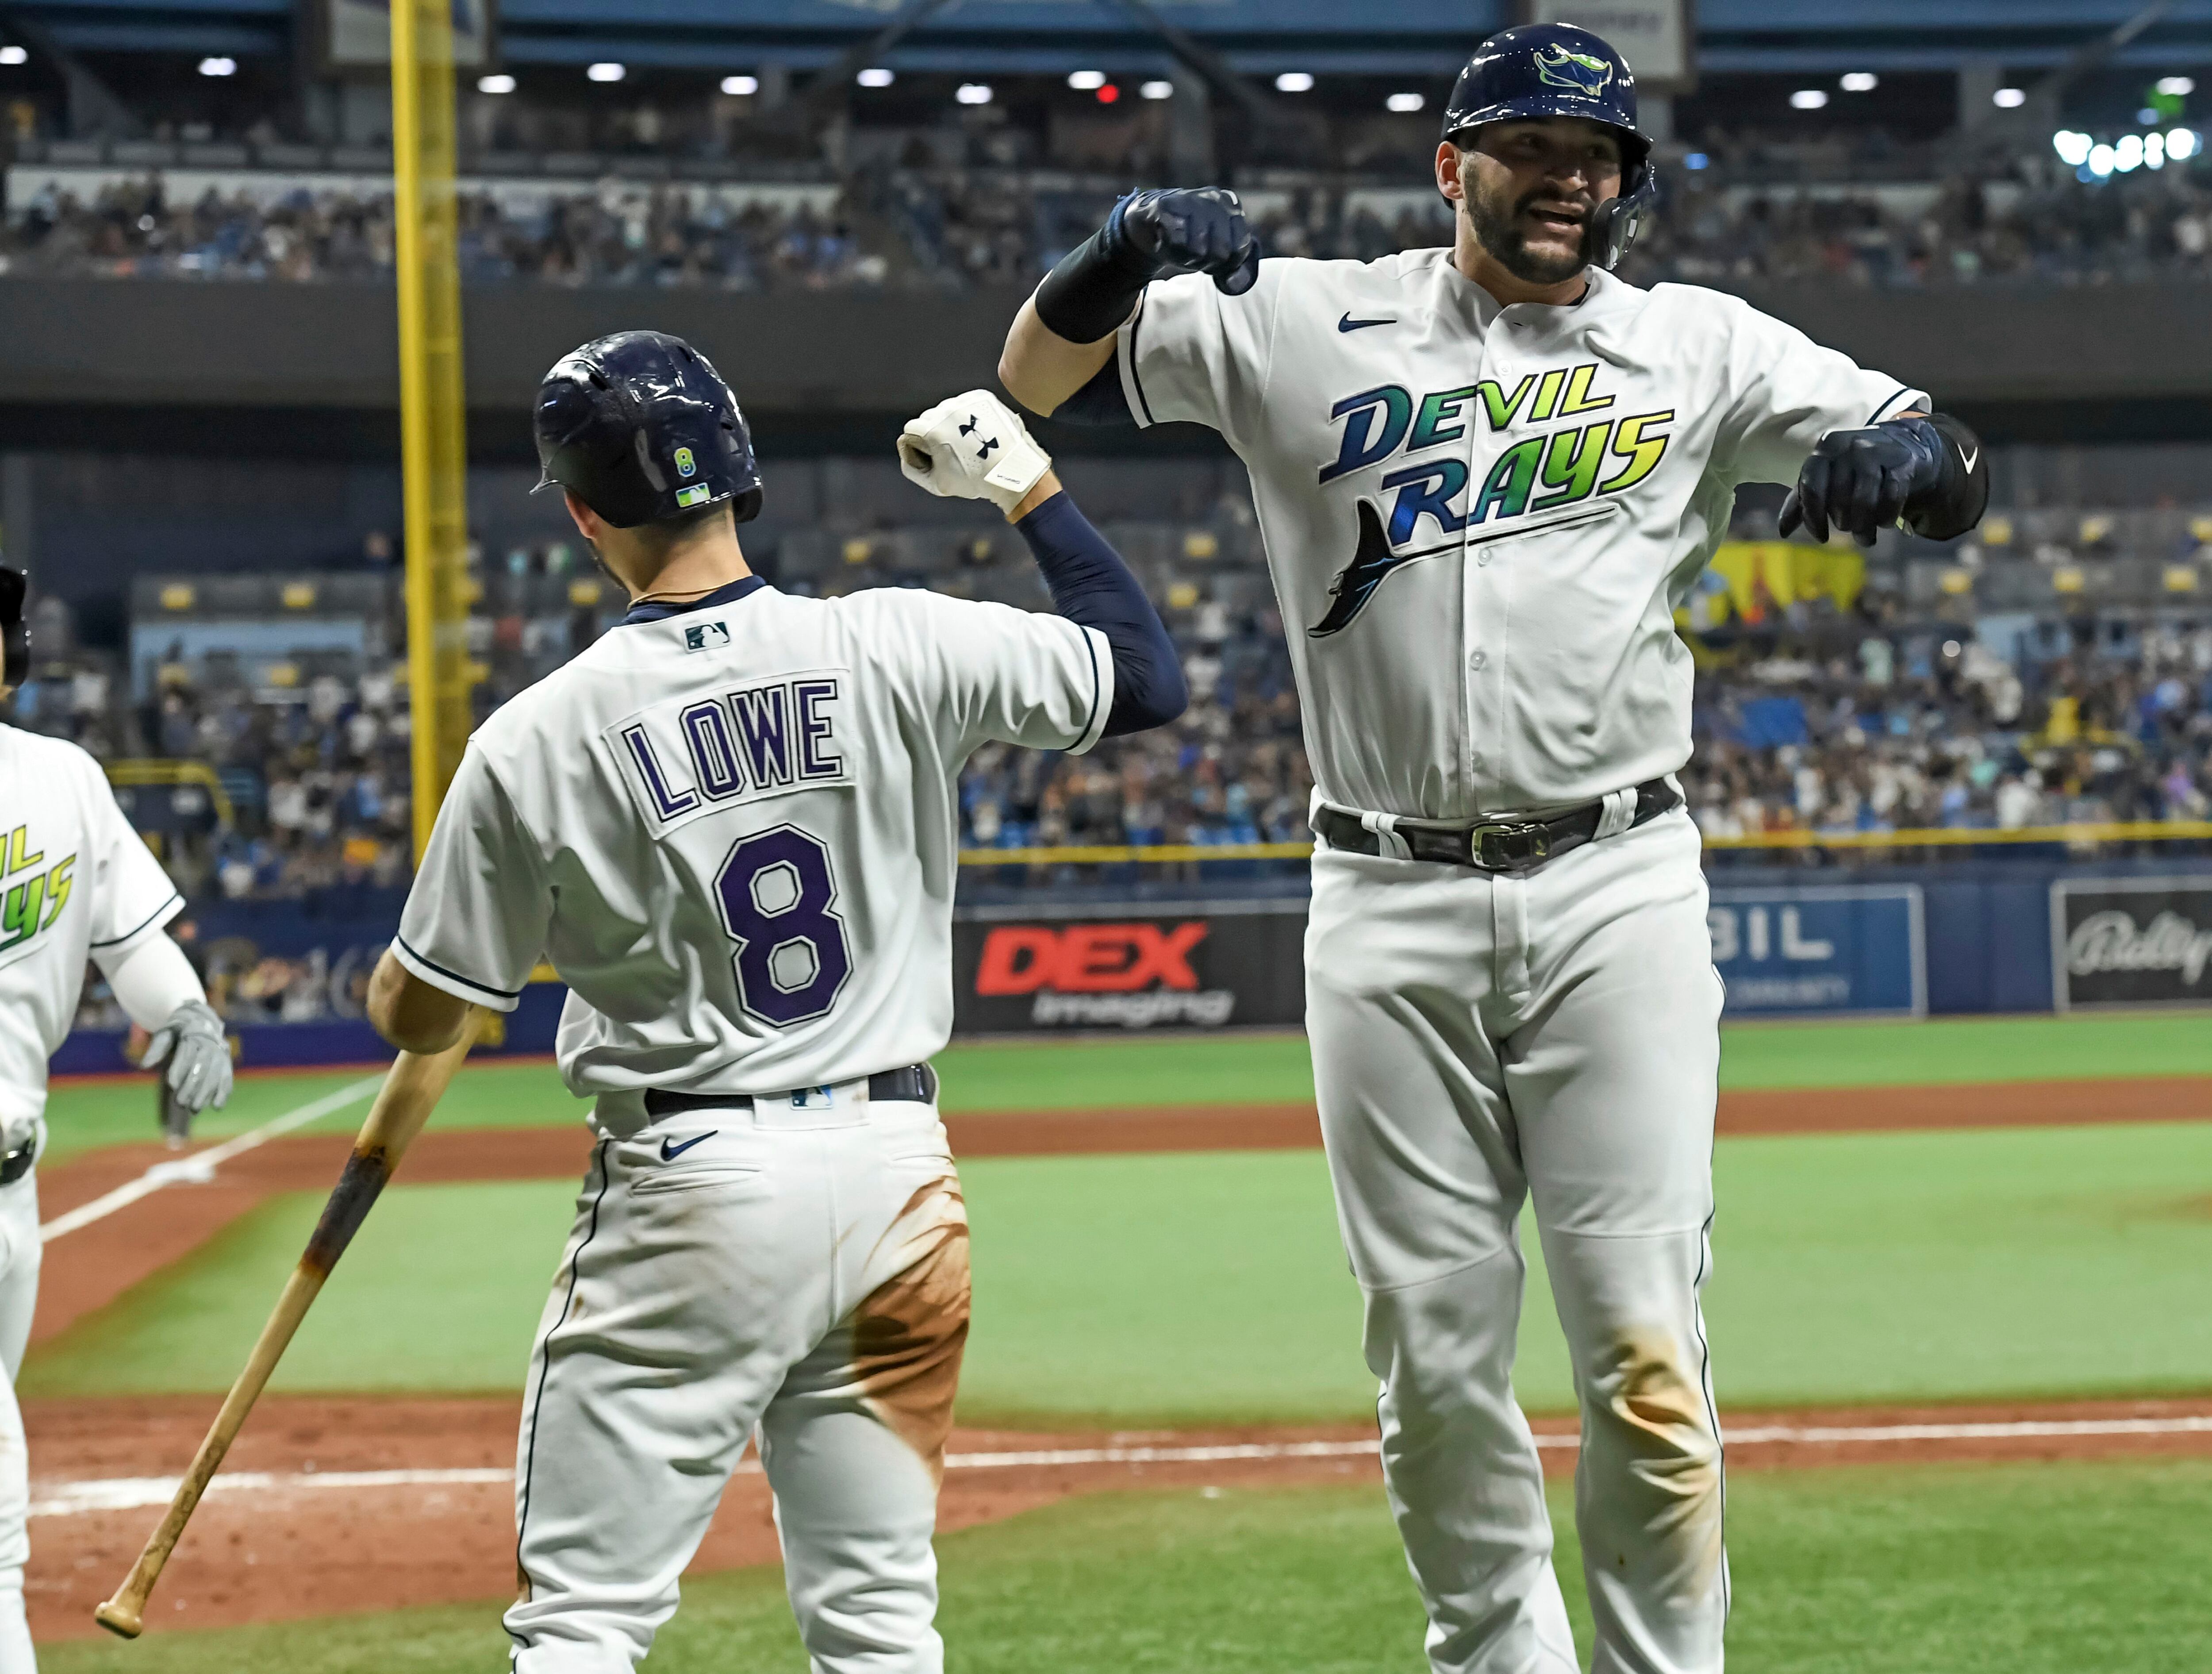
(14, 630)
(1616, 224)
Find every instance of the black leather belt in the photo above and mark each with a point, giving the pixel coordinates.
(1511, 846)
(917, 1084)
(17, 1163)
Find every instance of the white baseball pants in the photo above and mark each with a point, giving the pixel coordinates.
(1479, 1040)
(804, 1272)
(19, 1300)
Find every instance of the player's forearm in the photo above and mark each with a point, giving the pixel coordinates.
(409, 1013)
(151, 981)
(1041, 368)
(1093, 587)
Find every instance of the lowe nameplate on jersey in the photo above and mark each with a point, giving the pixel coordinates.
(690, 755)
(1203, 966)
(2131, 941)
(1821, 951)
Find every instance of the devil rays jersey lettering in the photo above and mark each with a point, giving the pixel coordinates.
(75, 880)
(1481, 519)
(733, 833)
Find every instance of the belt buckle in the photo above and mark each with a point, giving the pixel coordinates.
(1510, 846)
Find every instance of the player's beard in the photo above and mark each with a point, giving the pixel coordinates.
(1498, 231)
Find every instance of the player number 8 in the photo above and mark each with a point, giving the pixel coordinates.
(777, 891)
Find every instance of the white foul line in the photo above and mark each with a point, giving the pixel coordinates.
(200, 1167)
(66, 1499)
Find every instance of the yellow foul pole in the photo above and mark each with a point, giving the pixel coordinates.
(433, 445)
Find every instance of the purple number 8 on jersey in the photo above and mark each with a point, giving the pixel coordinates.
(776, 890)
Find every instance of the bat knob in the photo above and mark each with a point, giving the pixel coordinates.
(120, 1618)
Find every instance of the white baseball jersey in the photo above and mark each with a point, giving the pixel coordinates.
(734, 833)
(1481, 519)
(74, 880)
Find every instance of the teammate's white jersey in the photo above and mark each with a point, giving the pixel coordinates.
(1481, 520)
(734, 833)
(75, 880)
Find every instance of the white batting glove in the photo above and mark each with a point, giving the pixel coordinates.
(973, 447)
(199, 1057)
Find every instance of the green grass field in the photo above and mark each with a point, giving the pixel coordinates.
(1245, 1068)
(1940, 1570)
(1211, 1288)
(1208, 1287)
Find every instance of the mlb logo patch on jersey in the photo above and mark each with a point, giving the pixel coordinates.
(706, 636)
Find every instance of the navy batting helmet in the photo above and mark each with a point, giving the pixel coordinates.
(641, 428)
(1557, 70)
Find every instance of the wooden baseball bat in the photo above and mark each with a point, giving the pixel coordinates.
(411, 1091)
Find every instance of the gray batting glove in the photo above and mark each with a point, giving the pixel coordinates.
(199, 1057)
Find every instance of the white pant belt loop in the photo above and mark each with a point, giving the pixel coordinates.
(1385, 827)
(1620, 814)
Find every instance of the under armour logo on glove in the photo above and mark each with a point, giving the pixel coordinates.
(1000, 462)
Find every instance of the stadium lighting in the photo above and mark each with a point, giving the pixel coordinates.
(218, 66)
(1086, 80)
(1294, 81)
(604, 72)
(2009, 98)
(2073, 148)
(972, 92)
(2128, 154)
(1405, 103)
(14, 55)
(741, 86)
(2176, 87)
(2102, 161)
(875, 76)
(2183, 142)
(1861, 81)
(494, 84)
(2154, 150)
(1157, 89)
(1809, 99)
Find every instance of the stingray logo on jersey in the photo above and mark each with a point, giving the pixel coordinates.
(35, 891)
(1551, 479)
(689, 755)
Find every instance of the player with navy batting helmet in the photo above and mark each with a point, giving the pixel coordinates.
(732, 825)
(1488, 474)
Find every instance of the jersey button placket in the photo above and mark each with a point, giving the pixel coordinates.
(1480, 608)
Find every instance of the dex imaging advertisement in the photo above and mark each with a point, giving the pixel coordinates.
(1204, 966)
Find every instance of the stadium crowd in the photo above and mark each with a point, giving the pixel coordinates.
(2008, 219)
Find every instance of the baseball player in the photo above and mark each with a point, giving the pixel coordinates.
(1487, 475)
(732, 825)
(75, 883)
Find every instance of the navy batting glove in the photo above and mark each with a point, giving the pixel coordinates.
(1858, 481)
(1198, 230)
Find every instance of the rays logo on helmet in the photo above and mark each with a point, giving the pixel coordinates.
(686, 465)
(1577, 72)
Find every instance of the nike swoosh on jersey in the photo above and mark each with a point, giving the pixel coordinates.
(1348, 323)
(670, 1150)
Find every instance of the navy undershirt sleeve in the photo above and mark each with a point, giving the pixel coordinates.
(1093, 587)
(1101, 401)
